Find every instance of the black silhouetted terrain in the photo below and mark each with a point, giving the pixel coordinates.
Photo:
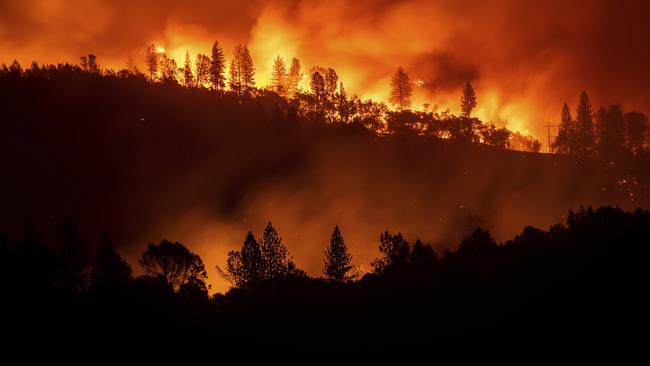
(123, 156)
(583, 279)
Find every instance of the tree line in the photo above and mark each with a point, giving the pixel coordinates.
(326, 101)
(255, 264)
(72, 268)
(564, 278)
(609, 133)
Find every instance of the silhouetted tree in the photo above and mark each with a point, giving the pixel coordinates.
(34, 69)
(89, 64)
(331, 82)
(611, 132)
(242, 71)
(274, 253)
(279, 76)
(318, 87)
(566, 138)
(15, 70)
(637, 131)
(245, 268)
(395, 252)
(294, 77)
(188, 76)
(585, 136)
(169, 69)
(479, 244)
(422, 254)
(109, 270)
(235, 70)
(401, 90)
(248, 71)
(498, 137)
(345, 107)
(151, 61)
(218, 67)
(173, 263)
(467, 100)
(203, 65)
(337, 259)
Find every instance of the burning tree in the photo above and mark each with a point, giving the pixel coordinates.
(401, 90)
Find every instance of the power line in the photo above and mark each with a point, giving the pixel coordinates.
(548, 129)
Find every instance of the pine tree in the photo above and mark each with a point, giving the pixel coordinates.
(217, 67)
(585, 136)
(252, 260)
(401, 90)
(611, 139)
(294, 77)
(151, 60)
(274, 254)
(337, 259)
(236, 70)
(567, 120)
(279, 76)
(318, 87)
(565, 140)
(188, 76)
(467, 100)
(202, 70)
(242, 71)
(248, 71)
(422, 254)
(93, 66)
(245, 268)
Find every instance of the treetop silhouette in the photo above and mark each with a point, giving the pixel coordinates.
(174, 264)
(338, 259)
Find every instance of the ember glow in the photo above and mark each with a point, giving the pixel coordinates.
(524, 59)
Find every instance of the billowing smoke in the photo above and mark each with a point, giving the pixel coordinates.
(525, 58)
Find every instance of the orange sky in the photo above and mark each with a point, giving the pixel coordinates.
(524, 59)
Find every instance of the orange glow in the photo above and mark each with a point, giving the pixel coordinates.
(441, 44)
(524, 59)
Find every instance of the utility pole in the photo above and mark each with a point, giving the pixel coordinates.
(548, 129)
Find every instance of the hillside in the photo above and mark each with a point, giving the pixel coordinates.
(141, 162)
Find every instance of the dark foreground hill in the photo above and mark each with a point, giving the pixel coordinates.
(132, 159)
(580, 282)
(141, 161)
